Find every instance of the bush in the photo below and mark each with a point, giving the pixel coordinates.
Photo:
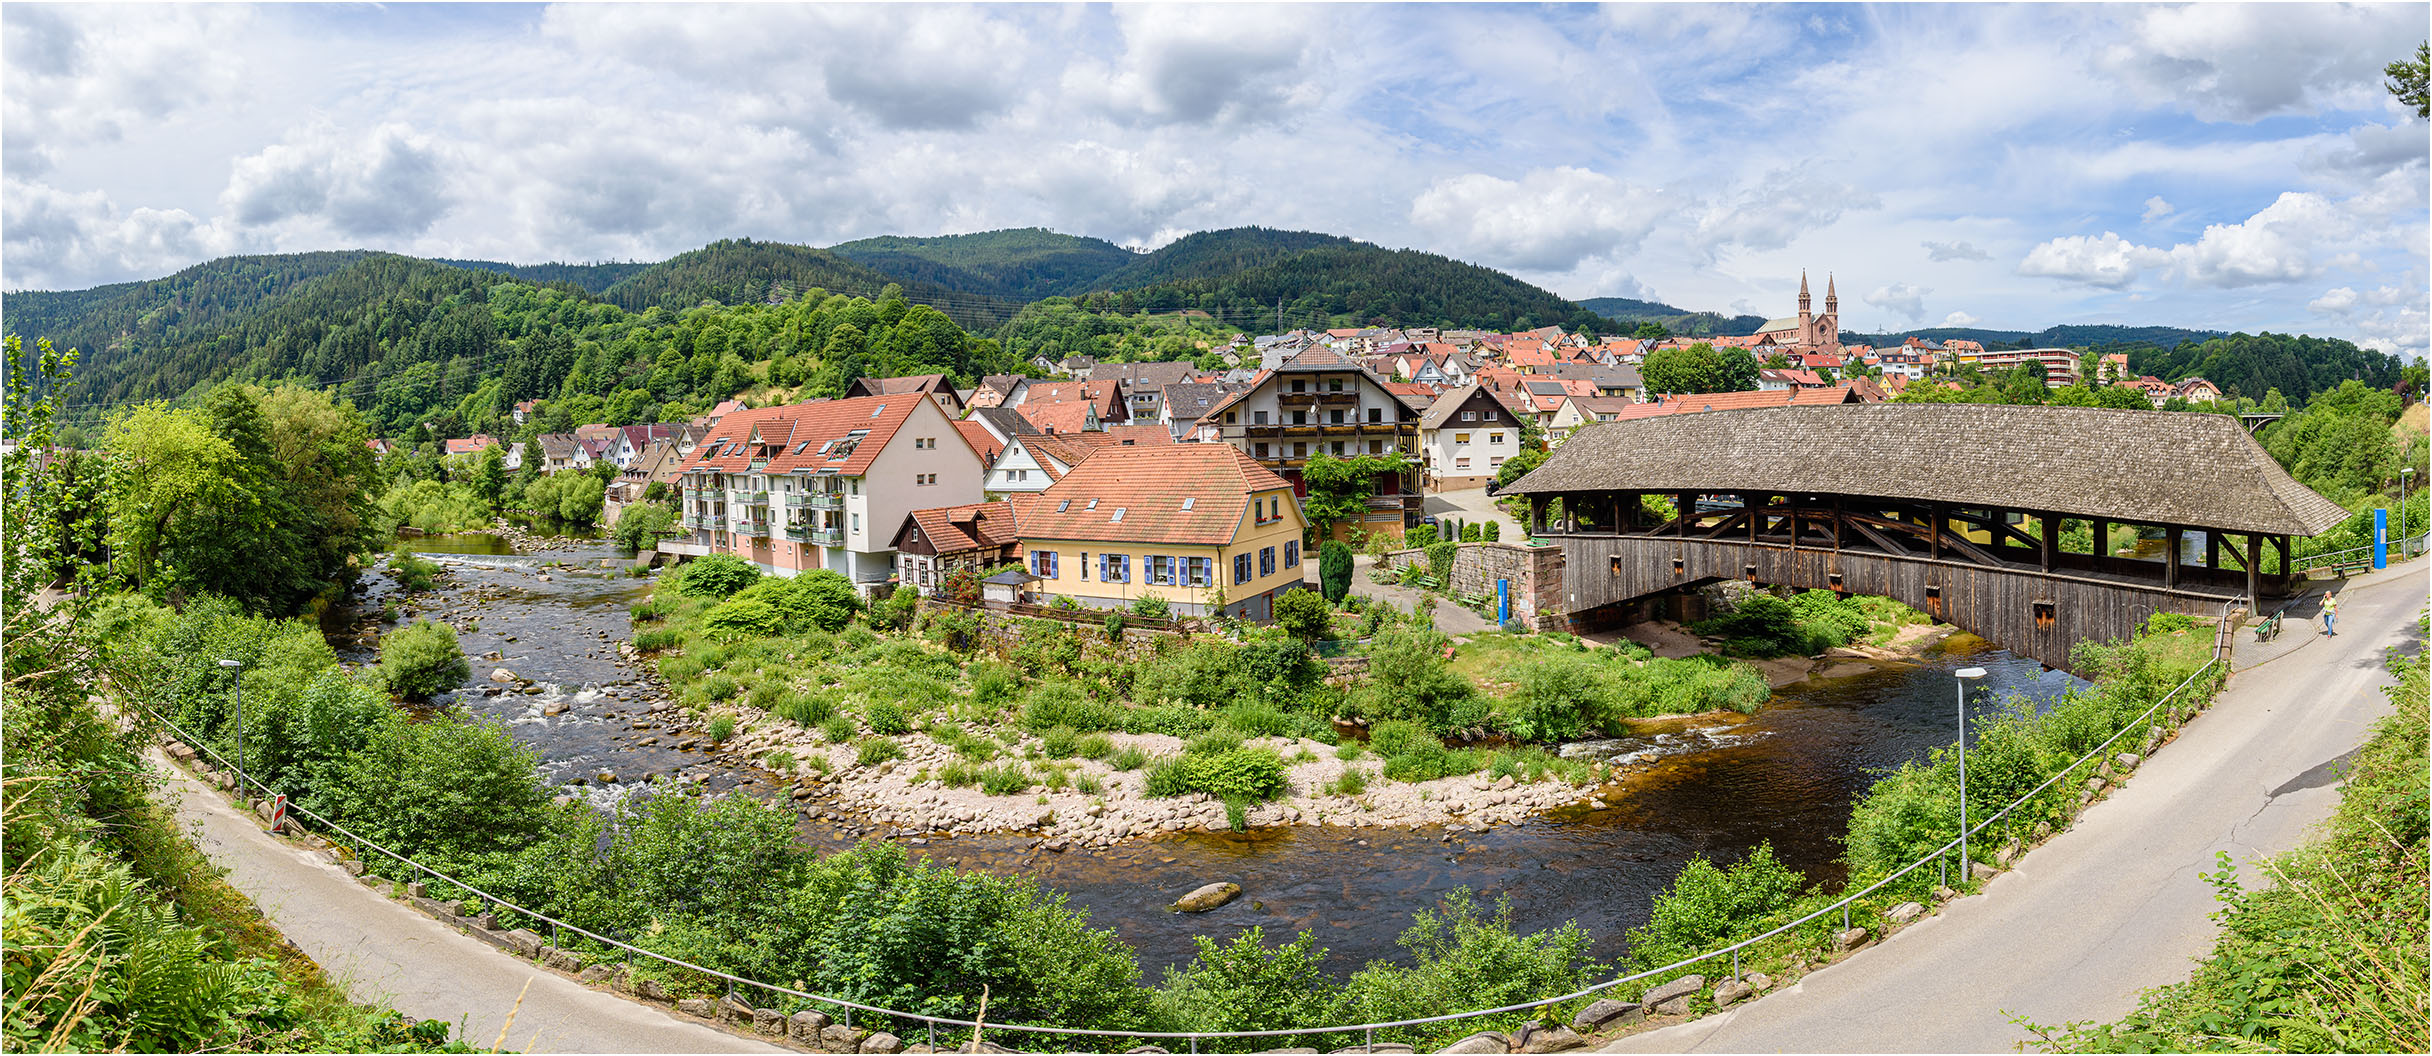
(1558, 697)
(1420, 538)
(819, 600)
(1127, 758)
(1008, 779)
(1054, 704)
(1408, 679)
(422, 660)
(742, 617)
(639, 527)
(871, 751)
(2168, 623)
(1491, 531)
(413, 572)
(993, 683)
(1304, 614)
(1238, 775)
(1463, 957)
(1469, 532)
(1243, 985)
(713, 576)
(839, 728)
(1439, 561)
(1352, 782)
(805, 709)
(1334, 571)
(721, 728)
(896, 611)
(1708, 906)
(1152, 606)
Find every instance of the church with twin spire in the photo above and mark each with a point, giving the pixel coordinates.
(1807, 331)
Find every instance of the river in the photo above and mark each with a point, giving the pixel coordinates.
(1787, 777)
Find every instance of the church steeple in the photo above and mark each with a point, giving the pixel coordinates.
(1832, 301)
(1803, 298)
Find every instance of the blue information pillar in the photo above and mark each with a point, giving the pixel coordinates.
(1503, 601)
(2381, 538)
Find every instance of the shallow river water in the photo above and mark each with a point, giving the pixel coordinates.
(1786, 775)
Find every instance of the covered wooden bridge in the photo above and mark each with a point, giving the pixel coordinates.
(1956, 509)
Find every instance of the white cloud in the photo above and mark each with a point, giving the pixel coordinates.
(2245, 62)
(78, 76)
(1548, 220)
(1778, 209)
(2109, 260)
(1942, 251)
(2156, 208)
(2386, 318)
(1960, 319)
(1905, 298)
(2336, 301)
(81, 238)
(1202, 65)
(2278, 244)
(393, 183)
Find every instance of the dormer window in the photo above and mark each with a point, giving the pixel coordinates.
(878, 410)
(1093, 504)
(1186, 503)
(1064, 506)
(1118, 517)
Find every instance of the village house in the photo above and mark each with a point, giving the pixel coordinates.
(1465, 437)
(826, 484)
(632, 440)
(1196, 524)
(562, 453)
(2196, 390)
(1773, 380)
(1322, 402)
(935, 386)
(1033, 461)
(2060, 364)
(1186, 404)
(465, 450)
(995, 389)
(1142, 385)
(936, 541)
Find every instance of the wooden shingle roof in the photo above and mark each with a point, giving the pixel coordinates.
(2143, 467)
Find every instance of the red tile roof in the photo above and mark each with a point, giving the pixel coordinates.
(1151, 487)
(983, 442)
(816, 436)
(973, 526)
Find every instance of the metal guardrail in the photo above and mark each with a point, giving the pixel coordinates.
(2221, 643)
(2403, 548)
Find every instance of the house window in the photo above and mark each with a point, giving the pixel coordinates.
(1292, 553)
(1114, 568)
(1494, 438)
(1338, 449)
(1043, 564)
(1266, 561)
(924, 479)
(1376, 414)
(1262, 452)
(1202, 571)
(923, 443)
(1160, 570)
(1461, 462)
(1334, 417)
(1493, 417)
(1460, 438)
(1300, 450)
(1299, 385)
(1334, 384)
(1256, 417)
(856, 523)
(1229, 417)
(1469, 416)
(1300, 417)
(1241, 569)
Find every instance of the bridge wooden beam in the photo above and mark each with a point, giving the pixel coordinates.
(2254, 573)
(2170, 556)
(2051, 533)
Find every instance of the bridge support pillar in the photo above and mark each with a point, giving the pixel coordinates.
(2254, 573)
(2051, 538)
(2170, 556)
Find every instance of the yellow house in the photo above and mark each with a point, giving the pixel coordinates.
(1191, 523)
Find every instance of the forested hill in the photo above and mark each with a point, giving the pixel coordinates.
(1631, 312)
(2067, 335)
(1241, 276)
(1024, 264)
(147, 314)
(593, 278)
(742, 271)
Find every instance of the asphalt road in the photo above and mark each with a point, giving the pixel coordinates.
(2114, 905)
(385, 953)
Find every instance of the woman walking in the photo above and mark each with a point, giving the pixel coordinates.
(2330, 608)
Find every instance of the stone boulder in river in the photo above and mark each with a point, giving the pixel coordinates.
(1208, 897)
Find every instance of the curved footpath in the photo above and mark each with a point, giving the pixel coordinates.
(2114, 905)
(385, 952)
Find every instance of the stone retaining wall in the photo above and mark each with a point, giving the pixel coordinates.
(1535, 574)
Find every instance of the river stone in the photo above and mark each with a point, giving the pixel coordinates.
(563, 960)
(1730, 993)
(1904, 912)
(768, 1021)
(1674, 990)
(806, 1025)
(524, 943)
(697, 1006)
(1850, 940)
(1759, 981)
(2008, 852)
(2094, 784)
(1208, 897)
(1147, 1050)
(502, 675)
(1482, 1041)
(836, 1037)
(1605, 1012)
(882, 1042)
(596, 973)
(651, 989)
(1983, 871)
(1554, 1039)
(2127, 760)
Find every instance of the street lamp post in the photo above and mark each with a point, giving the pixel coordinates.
(1966, 675)
(240, 724)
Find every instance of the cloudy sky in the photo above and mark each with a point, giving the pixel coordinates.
(2233, 166)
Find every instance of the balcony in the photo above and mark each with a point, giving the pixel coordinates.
(715, 522)
(754, 529)
(1301, 430)
(827, 536)
(1345, 398)
(800, 533)
(792, 500)
(1264, 431)
(1296, 399)
(825, 500)
(752, 498)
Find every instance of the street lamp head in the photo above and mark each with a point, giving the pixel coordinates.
(230, 663)
(1970, 672)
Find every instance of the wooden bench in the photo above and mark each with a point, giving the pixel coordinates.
(2268, 629)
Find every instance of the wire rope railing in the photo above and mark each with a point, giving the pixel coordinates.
(933, 1023)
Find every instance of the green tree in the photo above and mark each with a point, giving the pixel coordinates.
(1699, 368)
(641, 524)
(580, 498)
(490, 474)
(1339, 488)
(1304, 614)
(422, 660)
(167, 468)
(1651, 330)
(1334, 570)
(2411, 82)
